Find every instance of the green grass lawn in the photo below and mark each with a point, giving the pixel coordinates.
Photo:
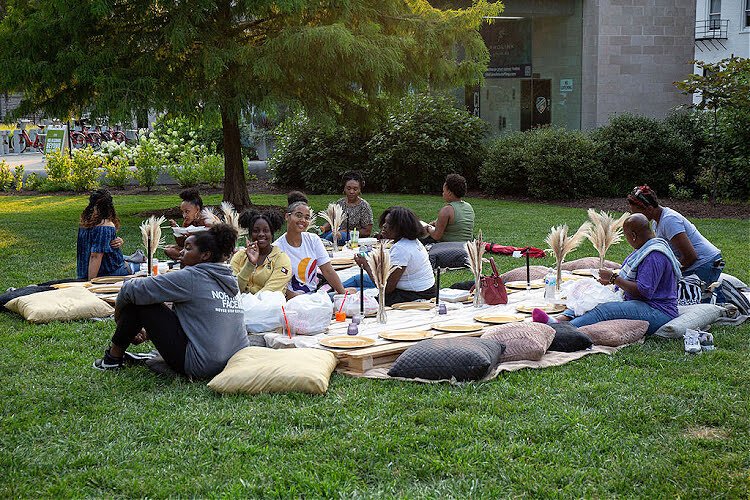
(649, 421)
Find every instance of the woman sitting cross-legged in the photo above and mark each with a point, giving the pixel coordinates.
(358, 212)
(262, 266)
(413, 279)
(204, 328)
(98, 247)
(305, 251)
(648, 278)
(191, 208)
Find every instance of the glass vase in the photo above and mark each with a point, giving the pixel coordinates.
(477, 302)
(558, 285)
(381, 317)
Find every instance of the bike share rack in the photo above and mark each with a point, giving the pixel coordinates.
(4, 143)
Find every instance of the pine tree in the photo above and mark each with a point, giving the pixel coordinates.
(342, 59)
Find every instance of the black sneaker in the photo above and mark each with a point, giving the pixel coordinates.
(108, 362)
(137, 358)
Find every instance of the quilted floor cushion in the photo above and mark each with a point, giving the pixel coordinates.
(695, 317)
(66, 304)
(519, 273)
(464, 359)
(449, 254)
(522, 341)
(568, 338)
(255, 370)
(616, 332)
(588, 263)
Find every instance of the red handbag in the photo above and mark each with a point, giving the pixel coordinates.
(492, 287)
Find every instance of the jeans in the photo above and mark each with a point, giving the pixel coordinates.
(353, 282)
(328, 235)
(709, 273)
(628, 309)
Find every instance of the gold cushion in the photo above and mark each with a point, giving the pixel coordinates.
(255, 370)
(66, 304)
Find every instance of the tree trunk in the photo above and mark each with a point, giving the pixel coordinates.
(235, 185)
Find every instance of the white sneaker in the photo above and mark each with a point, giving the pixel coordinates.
(692, 341)
(707, 341)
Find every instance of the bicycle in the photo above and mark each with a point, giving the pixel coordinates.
(25, 141)
(112, 135)
(83, 138)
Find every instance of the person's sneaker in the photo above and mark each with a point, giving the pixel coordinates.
(692, 342)
(707, 341)
(137, 358)
(108, 362)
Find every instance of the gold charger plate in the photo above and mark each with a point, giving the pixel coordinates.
(108, 280)
(499, 319)
(105, 289)
(582, 272)
(521, 285)
(70, 284)
(340, 261)
(413, 306)
(548, 308)
(465, 328)
(406, 335)
(347, 341)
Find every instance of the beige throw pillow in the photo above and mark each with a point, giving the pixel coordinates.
(519, 273)
(522, 340)
(66, 304)
(588, 263)
(616, 332)
(255, 370)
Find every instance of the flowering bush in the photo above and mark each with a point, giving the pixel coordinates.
(86, 169)
(6, 176)
(117, 172)
(211, 169)
(148, 162)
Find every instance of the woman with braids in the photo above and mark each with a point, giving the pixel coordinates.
(98, 248)
(261, 266)
(696, 254)
(204, 328)
(191, 207)
(358, 212)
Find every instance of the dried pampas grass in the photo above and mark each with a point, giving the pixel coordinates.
(476, 249)
(151, 236)
(232, 217)
(334, 216)
(605, 231)
(380, 266)
(210, 217)
(561, 244)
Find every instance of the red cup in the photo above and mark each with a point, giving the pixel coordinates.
(340, 316)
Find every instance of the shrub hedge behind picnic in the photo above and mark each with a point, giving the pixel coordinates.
(548, 162)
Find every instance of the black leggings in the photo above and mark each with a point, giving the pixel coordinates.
(397, 296)
(163, 329)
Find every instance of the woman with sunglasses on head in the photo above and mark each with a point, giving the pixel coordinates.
(261, 266)
(695, 253)
(305, 250)
(206, 325)
(413, 278)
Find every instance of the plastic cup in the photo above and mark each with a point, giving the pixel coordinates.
(340, 316)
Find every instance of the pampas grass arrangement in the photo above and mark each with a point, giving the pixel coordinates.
(605, 231)
(380, 266)
(151, 237)
(561, 244)
(334, 216)
(232, 217)
(210, 217)
(475, 249)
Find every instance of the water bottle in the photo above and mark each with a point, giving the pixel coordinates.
(550, 283)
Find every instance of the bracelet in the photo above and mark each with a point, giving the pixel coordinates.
(612, 278)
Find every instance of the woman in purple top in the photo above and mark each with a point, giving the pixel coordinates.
(648, 279)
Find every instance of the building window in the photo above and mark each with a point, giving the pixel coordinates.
(746, 14)
(714, 14)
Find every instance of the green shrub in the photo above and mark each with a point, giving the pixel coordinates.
(425, 138)
(186, 173)
(117, 172)
(33, 182)
(504, 168)
(6, 176)
(725, 159)
(58, 167)
(211, 170)
(312, 158)
(639, 150)
(148, 164)
(18, 178)
(85, 170)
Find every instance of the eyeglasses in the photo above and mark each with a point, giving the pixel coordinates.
(301, 216)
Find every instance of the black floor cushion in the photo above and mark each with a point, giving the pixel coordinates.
(449, 254)
(568, 338)
(22, 292)
(443, 359)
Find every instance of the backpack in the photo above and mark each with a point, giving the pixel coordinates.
(690, 290)
(732, 295)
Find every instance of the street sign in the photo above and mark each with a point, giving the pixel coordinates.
(566, 85)
(57, 139)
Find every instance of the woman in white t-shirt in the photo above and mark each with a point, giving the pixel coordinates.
(413, 279)
(306, 252)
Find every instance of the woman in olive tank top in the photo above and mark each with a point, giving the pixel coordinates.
(455, 220)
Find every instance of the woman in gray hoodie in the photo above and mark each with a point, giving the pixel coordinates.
(204, 328)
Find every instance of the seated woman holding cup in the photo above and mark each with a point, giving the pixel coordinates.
(413, 279)
(191, 208)
(261, 266)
